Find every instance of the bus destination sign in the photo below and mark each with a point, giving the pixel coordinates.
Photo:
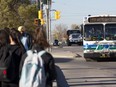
(102, 19)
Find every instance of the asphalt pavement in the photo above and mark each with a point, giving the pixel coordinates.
(67, 54)
(62, 55)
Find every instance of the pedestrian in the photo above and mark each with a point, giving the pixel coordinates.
(14, 45)
(4, 41)
(15, 37)
(26, 38)
(40, 43)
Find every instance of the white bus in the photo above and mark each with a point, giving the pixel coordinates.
(99, 37)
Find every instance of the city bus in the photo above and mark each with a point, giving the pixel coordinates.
(99, 37)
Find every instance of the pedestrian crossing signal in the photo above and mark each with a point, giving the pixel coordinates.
(42, 21)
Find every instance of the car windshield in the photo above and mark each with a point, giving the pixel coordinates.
(93, 32)
(110, 31)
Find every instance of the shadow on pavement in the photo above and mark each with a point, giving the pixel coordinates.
(62, 60)
(78, 55)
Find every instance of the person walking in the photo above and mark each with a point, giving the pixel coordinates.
(40, 44)
(13, 45)
(26, 38)
(4, 41)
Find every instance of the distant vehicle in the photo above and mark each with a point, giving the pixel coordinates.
(56, 42)
(74, 37)
(99, 37)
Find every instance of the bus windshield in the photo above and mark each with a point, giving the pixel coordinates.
(93, 32)
(110, 31)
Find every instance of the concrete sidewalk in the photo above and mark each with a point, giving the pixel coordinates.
(66, 54)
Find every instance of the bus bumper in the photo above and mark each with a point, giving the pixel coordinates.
(100, 55)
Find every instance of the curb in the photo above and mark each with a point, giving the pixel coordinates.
(63, 54)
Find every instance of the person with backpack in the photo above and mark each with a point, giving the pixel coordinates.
(40, 45)
(26, 38)
(4, 41)
(10, 56)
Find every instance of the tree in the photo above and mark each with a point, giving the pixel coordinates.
(74, 26)
(60, 32)
(8, 13)
(14, 13)
(27, 15)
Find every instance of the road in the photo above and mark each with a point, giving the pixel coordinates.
(80, 73)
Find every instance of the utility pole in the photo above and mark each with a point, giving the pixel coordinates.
(48, 22)
(47, 4)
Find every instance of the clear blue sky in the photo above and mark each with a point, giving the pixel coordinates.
(73, 11)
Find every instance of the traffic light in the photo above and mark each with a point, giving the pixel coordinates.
(40, 14)
(37, 21)
(42, 21)
(57, 14)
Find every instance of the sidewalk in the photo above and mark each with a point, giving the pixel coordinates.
(66, 54)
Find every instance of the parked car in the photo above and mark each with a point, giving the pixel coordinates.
(56, 42)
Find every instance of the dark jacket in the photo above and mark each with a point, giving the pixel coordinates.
(49, 65)
(29, 39)
(16, 55)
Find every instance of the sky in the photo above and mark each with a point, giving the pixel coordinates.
(73, 11)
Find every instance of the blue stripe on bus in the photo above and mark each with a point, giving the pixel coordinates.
(93, 46)
(90, 46)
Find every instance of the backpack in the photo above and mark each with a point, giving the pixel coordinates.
(33, 73)
(7, 66)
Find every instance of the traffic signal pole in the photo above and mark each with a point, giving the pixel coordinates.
(47, 9)
(48, 23)
(50, 34)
